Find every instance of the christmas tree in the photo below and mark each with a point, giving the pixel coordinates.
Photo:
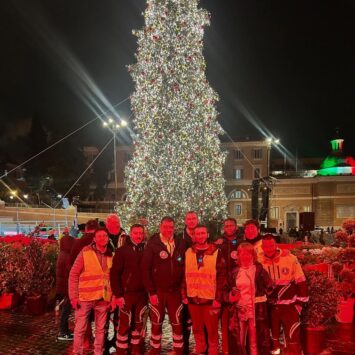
(177, 164)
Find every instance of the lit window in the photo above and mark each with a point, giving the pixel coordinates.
(274, 212)
(238, 210)
(257, 154)
(238, 174)
(238, 155)
(237, 194)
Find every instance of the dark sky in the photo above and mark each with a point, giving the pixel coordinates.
(288, 65)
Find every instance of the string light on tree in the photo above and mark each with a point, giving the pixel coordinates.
(177, 163)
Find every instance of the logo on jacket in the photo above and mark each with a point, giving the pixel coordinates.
(285, 270)
(163, 255)
(234, 255)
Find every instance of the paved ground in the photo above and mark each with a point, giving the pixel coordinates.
(24, 334)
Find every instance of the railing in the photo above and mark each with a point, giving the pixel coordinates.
(26, 227)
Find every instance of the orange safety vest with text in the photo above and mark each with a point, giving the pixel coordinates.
(94, 282)
(201, 282)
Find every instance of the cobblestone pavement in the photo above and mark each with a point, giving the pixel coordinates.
(36, 335)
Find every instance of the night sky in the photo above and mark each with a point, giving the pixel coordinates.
(287, 65)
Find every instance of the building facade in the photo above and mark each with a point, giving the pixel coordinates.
(331, 198)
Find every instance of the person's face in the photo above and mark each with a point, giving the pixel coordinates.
(137, 235)
(229, 228)
(101, 239)
(191, 220)
(251, 231)
(269, 247)
(113, 225)
(167, 229)
(245, 257)
(201, 235)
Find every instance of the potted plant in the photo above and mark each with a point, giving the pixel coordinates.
(40, 278)
(321, 308)
(345, 282)
(12, 262)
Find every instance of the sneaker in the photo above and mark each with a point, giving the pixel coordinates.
(65, 337)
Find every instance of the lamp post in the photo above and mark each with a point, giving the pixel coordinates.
(114, 126)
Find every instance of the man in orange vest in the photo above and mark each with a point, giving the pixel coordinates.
(89, 289)
(205, 275)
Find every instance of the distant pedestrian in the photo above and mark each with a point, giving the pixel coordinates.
(89, 289)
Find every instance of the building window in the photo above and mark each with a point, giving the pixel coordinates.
(274, 212)
(238, 155)
(238, 174)
(345, 211)
(238, 210)
(238, 194)
(257, 154)
(257, 173)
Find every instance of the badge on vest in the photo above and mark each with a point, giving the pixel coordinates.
(234, 255)
(285, 270)
(163, 255)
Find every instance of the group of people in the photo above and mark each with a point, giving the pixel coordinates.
(244, 280)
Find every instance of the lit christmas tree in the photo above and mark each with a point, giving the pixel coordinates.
(177, 163)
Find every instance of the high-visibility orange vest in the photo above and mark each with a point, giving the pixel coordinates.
(94, 282)
(201, 282)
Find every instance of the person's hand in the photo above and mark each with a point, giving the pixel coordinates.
(185, 301)
(153, 299)
(216, 304)
(75, 303)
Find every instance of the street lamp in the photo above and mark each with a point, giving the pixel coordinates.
(114, 125)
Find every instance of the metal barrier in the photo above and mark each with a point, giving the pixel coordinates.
(26, 227)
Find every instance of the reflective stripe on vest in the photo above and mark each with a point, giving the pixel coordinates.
(201, 282)
(94, 283)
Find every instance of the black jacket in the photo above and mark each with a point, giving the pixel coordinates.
(186, 238)
(162, 271)
(63, 264)
(229, 250)
(125, 274)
